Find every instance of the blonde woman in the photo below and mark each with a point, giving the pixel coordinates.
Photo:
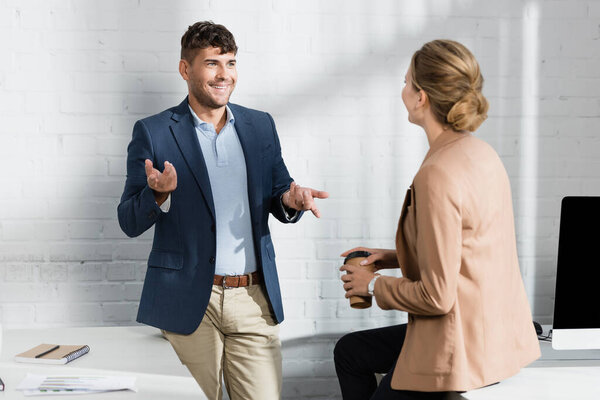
(469, 321)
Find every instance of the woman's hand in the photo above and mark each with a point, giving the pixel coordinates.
(356, 280)
(380, 258)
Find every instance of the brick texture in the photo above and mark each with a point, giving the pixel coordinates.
(76, 75)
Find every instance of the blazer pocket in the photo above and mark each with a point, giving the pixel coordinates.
(432, 347)
(266, 151)
(164, 259)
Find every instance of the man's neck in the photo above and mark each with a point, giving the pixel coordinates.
(215, 116)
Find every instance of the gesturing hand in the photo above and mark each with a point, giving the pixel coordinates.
(302, 198)
(162, 183)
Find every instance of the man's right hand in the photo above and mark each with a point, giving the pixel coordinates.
(162, 183)
(381, 258)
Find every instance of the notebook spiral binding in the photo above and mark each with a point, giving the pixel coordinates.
(77, 353)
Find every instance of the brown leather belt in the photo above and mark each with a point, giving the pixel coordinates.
(235, 281)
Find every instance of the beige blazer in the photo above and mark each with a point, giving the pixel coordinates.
(469, 321)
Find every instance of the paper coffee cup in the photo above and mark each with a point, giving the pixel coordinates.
(355, 258)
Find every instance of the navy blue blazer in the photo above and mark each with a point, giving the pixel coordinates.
(181, 264)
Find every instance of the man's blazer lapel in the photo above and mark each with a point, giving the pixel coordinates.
(185, 135)
(251, 146)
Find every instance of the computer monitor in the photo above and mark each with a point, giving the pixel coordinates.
(576, 322)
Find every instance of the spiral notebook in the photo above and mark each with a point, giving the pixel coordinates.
(52, 354)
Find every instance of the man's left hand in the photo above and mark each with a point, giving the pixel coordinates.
(356, 280)
(303, 198)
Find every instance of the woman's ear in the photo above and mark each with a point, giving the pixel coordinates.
(423, 99)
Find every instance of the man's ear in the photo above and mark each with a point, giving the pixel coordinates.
(183, 68)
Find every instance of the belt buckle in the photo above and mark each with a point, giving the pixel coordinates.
(225, 282)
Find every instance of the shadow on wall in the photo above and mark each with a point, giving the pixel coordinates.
(308, 369)
(346, 100)
(124, 68)
(136, 77)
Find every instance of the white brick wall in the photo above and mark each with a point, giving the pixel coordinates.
(75, 75)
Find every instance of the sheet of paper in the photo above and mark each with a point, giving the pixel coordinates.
(34, 384)
(32, 392)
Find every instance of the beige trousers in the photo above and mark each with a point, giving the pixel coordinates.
(237, 339)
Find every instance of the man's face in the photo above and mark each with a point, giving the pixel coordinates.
(211, 77)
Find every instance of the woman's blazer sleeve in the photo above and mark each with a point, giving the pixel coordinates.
(438, 245)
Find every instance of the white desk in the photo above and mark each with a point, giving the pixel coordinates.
(142, 352)
(557, 375)
(539, 383)
(135, 351)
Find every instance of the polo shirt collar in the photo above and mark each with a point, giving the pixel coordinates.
(198, 123)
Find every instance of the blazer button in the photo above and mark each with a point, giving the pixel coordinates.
(212, 228)
(152, 214)
(211, 260)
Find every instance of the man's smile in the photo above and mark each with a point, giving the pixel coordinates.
(220, 86)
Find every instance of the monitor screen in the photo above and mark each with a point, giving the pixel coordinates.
(577, 296)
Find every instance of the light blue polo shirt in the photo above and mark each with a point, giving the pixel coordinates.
(226, 166)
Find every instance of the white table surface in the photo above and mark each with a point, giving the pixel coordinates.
(556, 375)
(141, 351)
(544, 383)
(138, 351)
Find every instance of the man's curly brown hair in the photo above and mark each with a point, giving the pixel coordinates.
(206, 34)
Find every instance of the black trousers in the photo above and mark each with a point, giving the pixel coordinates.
(359, 355)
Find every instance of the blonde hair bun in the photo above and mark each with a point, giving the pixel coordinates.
(449, 73)
(468, 113)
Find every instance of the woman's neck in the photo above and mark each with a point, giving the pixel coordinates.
(433, 129)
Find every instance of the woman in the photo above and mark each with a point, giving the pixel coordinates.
(469, 321)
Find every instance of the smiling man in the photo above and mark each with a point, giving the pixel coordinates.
(207, 174)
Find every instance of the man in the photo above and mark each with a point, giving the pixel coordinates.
(211, 283)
